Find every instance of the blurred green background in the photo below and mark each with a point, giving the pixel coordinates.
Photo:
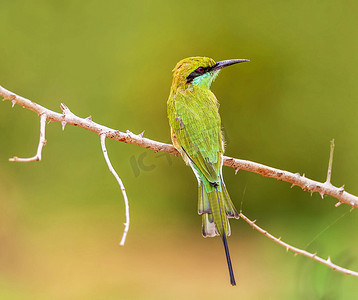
(61, 219)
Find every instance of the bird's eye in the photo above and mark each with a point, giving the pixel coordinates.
(200, 70)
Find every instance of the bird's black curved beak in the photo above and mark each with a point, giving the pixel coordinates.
(225, 63)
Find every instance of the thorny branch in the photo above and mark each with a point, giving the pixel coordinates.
(67, 117)
(288, 247)
(128, 137)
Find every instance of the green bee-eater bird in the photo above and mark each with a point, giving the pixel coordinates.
(193, 113)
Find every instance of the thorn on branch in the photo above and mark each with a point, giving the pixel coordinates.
(341, 189)
(338, 204)
(64, 108)
(13, 103)
(63, 123)
(89, 118)
(66, 111)
(237, 170)
(10, 97)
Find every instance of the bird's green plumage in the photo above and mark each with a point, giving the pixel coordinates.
(198, 129)
(193, 113)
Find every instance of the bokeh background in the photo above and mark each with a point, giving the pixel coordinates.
(61, 219)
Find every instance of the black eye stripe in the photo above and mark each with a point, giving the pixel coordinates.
(197, 73)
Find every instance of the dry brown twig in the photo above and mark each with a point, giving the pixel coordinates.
(67, 117)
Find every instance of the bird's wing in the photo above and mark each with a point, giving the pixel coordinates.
(196, 123)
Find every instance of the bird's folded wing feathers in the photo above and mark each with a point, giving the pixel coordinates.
(198, 131)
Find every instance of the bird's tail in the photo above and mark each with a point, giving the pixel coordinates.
(228, 260)
(216, 207)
